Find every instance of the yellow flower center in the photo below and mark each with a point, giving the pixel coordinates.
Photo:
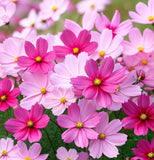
(27, 158)
(79, 124)
(144, 62)
(32, 24)
(76, 50)
(54, 8)
(38, 59)
(118, 89)
(3, 98)
(140, 49)
(30, 123)
(4, 153)
(92, 6)
(16, 59)
(101, 135)
(143, 116)
(151, 18)
(102, 53)
(68, 159)
(14, 1)
(43, 91)
(97, 81)
(151, 155)
(131, 68)
(63, 100)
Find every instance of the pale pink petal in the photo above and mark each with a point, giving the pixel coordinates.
(113, 127)
(116, 19)
(74, 112)
(34, 150)
(65, 122)
(91, 134)
(25, 61)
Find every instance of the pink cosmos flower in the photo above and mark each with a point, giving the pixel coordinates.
(108, 138)
(11, 49)
(63, 154)
(8, 94)
(139, 43)
(75, 45)
(53, 8)
(122, 29)
(38, 58)
(140, 116)
(101, 82)
(32, 154)
(71, 67)
(7, 12)
(60, 99)
(144, 150)
(27, 124)
(7, 149)
(36, 87)
(107, 45)
(79, 121)
(145, 13)
(90, 9)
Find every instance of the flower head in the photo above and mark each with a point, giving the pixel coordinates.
(27, 124)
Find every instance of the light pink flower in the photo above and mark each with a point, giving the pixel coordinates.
(83, 156)
(59, 100)
(32, 154)
(107, 45)
(144, 150)
(72, 67)
(145, 13)
(101, 82)
(79, 121)
(7, 12)
(53, 8)
(36, 87)
(7, 149)
(122, 29)
(108, 138)
(38, 58)
(90, 9)
(63, 154)
(8, 94)
(140, 117)
(27, 124)
(139, 43)
(11, 49)
(75, 45)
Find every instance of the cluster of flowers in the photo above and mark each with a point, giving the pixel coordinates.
(78, 71)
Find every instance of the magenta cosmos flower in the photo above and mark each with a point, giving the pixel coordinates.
(141, 116)
(101, 82)
(144, 150)
(27, 124)
(38, 58)
(7, 94)
(79, 121)
(75, 45)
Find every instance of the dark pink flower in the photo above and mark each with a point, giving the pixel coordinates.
(75, 45)
(27, 124)
(101, 82)
(141, 116)
(38, 58)
(144, 150)
(7, 94)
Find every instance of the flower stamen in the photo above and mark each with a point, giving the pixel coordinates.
(102, 135)
(97, 81)
(30, 124)
(79, 124)
(143, 116)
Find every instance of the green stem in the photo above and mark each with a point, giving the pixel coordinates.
(49, 140)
